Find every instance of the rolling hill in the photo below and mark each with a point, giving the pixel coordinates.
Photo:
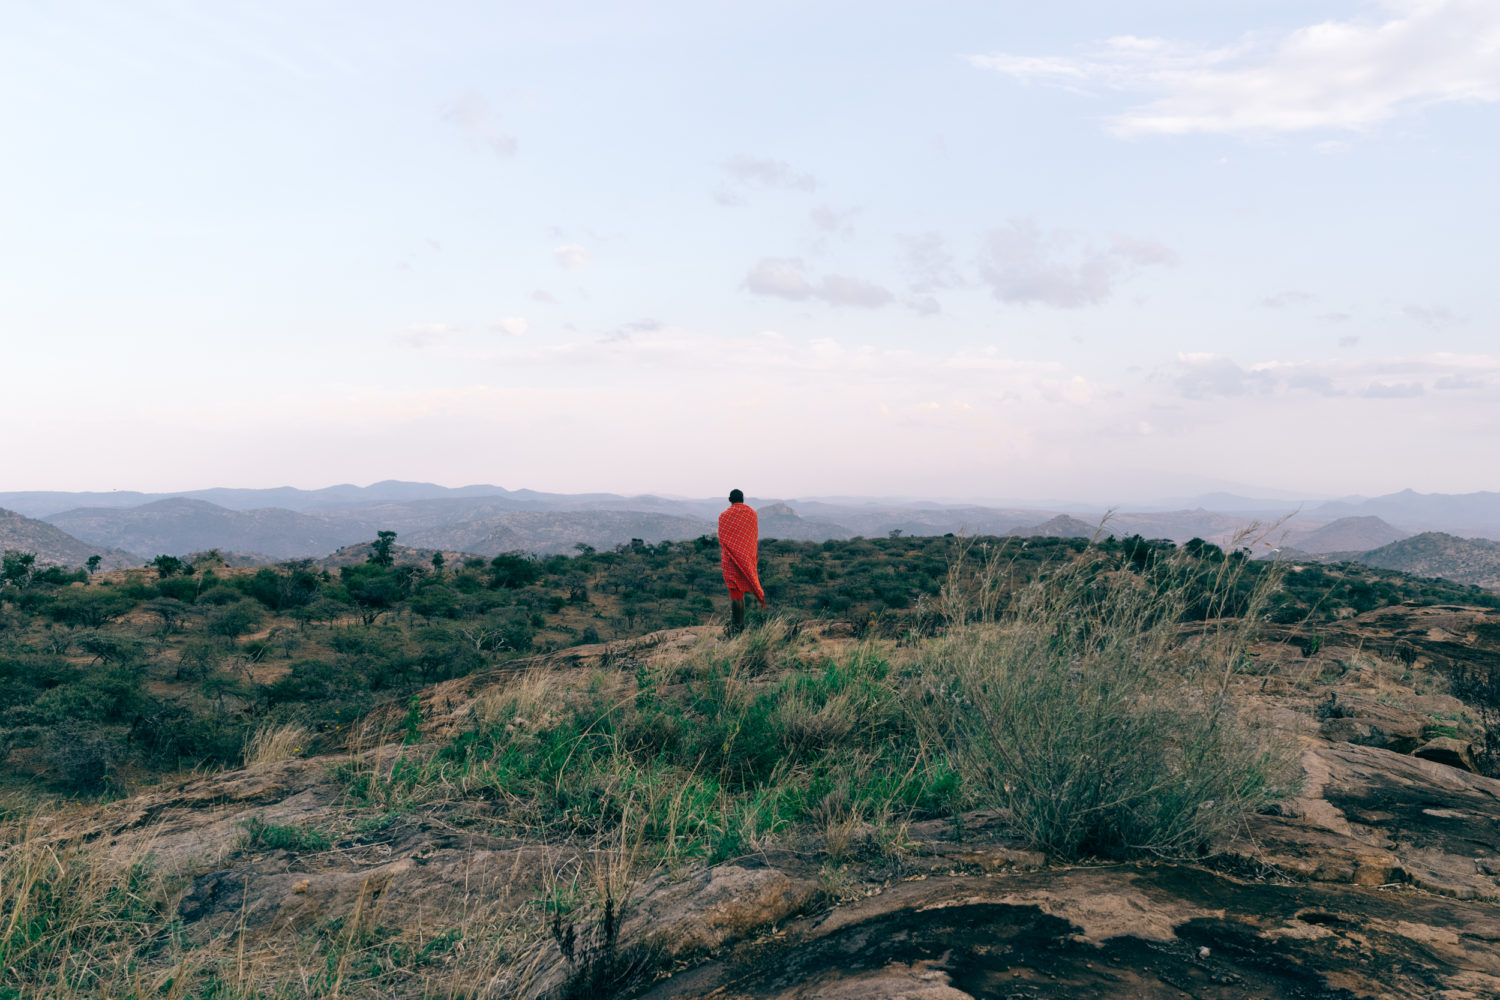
(1351, 534)
(1061, 526)
(54, 547)
(1433, 553)
(181, 525)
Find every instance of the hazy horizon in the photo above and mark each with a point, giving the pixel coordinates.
(1077, 250)
(1242, 490)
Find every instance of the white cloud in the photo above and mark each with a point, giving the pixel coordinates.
(420, 335)
(783, 278)
(759, 172)
(1022, 264)
(834, 222)
(1290, 297)
(780, 278)
(1388, 390)
(1200, 376)
(1432, 317)
(929, 262)
(1207, 376)
(511, 326)
(474, 115)
(570, 256)
(1335, 75)
(839, 290)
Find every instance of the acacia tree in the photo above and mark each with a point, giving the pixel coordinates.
(167, 566)
(170, 610)
(18, 567)
(380, 554)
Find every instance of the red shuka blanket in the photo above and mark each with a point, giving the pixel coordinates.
(739, 530)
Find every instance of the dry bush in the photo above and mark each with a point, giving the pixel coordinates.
(524, 702)
(761, 648)
(272, 742)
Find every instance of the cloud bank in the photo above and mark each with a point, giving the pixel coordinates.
(1335, 75)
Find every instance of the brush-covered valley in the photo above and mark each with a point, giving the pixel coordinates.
(935, 767)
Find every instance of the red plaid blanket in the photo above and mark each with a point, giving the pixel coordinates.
(739, 530)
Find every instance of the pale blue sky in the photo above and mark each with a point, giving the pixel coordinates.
(1097, 250)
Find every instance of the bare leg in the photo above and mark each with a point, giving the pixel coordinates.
(736, 616)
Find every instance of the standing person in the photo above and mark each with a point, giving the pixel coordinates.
(739, 532)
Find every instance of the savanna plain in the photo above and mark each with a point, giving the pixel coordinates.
(938, 768)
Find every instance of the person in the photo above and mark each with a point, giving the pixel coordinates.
(739, 531)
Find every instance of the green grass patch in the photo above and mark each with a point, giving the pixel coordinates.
(277, 837)
(703, 759)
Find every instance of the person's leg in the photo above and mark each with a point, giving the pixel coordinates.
(736, 614)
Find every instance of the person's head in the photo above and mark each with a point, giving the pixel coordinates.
(735, 496)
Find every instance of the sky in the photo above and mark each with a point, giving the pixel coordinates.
(1095, 250)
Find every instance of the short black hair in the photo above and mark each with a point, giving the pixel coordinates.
(735, 496)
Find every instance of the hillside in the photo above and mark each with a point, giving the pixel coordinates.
(1351, 534)
(1463, 560)
(777, 520)
(1061, 526)
(782, 816)
(180, 525)
(54, 547)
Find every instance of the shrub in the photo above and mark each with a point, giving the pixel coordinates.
(90, 607)
(80, 757)
(1084, 713)
(511, 571)
(232, 620)
(98, 694)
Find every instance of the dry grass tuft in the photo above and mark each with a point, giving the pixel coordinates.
(272, 743)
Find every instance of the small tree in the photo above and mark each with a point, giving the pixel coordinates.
(437, 563)
(92, 564)
(170, 610)
(380, 553)
(511, 570)
(233, 620)
(167, 566)
(18, 567)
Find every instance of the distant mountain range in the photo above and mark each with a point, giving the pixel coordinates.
(485, 520)
(549, 532)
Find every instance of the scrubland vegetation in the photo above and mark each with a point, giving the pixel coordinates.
(109, 680)
(1083, 691)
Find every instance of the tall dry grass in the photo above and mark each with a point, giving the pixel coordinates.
(274, 742)
(72, 919)
(1085, 710)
